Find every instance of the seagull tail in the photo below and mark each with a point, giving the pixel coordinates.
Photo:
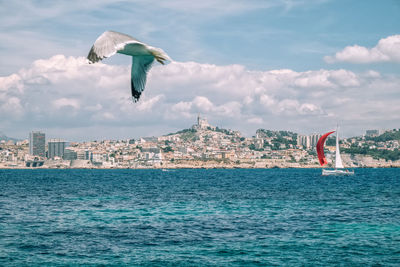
(161, 56)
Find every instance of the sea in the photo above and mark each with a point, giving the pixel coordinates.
(199, 217)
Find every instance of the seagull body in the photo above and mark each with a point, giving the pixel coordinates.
(143, 56)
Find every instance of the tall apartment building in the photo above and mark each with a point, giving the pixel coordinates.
(56, 148)
(314, 140)
(308, 141)
(37, 144)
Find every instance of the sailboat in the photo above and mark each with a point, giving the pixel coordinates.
(339, 168)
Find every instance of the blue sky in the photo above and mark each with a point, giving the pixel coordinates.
(253, 40)
(257, 34)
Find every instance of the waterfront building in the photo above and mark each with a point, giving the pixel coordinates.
(70, 154)
(83, 154)
(56, 148)
(37, 144)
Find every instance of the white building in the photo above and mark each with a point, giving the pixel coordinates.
(308, 141)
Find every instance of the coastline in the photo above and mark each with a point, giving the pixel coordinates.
(189, 166)
(349, 161)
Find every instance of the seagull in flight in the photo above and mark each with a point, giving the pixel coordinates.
(143, 55)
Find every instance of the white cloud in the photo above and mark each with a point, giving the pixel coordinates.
(372, 74)
(181, 109)
(147, 104)
(309, 109)
(11, 82)
(12, 107)
(255, 120)
(103, 116)
(66, 93)
(66, 102)
(387, 50)
(267, 101)
(203, 104)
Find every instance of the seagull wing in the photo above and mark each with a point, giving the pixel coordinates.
(143, 56)
(107, 45)
(140, 66)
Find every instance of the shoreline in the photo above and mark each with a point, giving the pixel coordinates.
(187, 168)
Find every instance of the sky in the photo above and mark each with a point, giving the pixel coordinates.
(297, 65)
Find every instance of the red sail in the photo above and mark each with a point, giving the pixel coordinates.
(320, 148)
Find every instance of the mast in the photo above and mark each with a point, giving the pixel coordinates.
(338, 163)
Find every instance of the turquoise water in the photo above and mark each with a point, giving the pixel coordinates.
(199, 218)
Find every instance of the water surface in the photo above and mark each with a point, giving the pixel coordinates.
(199, 217)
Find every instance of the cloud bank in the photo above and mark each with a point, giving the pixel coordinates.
(67, 97)
(387, 50)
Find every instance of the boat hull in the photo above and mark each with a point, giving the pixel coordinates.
(337, 172)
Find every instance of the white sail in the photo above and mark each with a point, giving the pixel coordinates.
(338, 164)
(339, 169)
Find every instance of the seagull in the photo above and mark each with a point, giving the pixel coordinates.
(143, 55)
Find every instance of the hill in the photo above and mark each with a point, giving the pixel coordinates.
(6, 138)
(387, 136)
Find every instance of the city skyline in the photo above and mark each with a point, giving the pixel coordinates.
(244, 65)
(201, 146)
(201, 122)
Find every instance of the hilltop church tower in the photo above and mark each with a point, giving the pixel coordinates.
(202, 123)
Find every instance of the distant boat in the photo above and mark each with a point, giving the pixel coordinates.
(339, 168)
